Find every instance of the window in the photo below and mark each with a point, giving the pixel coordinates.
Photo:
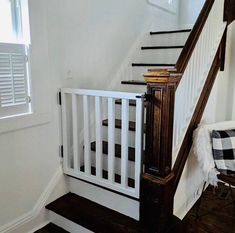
(14, 62)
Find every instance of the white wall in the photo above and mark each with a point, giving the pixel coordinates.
(189, 11)
(91, 39)
(29, 157)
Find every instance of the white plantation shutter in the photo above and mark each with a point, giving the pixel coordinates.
(14, 93)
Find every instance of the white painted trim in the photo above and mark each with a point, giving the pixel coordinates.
(67, 224)
(111, 200)
(39, 227)
(24, 121)
(37, 210)
(181, 211)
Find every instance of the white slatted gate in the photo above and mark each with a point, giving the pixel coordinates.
(83, 112)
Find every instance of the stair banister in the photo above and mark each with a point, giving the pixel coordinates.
(169, 90)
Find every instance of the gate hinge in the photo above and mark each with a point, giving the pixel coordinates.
(59, 98)
(61, 151)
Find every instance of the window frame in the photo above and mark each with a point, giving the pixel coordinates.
(21, 42)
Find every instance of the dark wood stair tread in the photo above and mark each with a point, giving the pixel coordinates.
(51, 228)
(134, 82)
(131, 102)
(131, 182)
(131, 150)
(118, 124)
(93, 216)
(170, 31)
(162, 47)
(153, 64)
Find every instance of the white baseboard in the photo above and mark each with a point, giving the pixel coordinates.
(39, 227)
(38, 215)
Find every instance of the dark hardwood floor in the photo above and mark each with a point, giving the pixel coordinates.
(221, 218)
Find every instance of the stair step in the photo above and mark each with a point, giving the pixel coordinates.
(51, 228)
(131, 182)
(134, 82)
(118, 124)
(162, 47)
(170, 31)
(131, 150)
(153, 64)
(93, 216)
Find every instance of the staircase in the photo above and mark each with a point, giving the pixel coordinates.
(118, 153)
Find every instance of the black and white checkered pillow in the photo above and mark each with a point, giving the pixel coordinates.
(223, 145)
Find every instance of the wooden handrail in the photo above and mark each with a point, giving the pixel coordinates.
(229, 7)
(193, 37)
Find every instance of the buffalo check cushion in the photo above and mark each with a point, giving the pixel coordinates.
(223, 146)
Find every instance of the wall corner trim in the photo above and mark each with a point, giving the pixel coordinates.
(40, 204)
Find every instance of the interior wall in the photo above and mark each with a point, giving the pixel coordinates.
(89, 39)
(189, 11)
(29, 156)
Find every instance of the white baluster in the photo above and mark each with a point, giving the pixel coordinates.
(76, 157)
(98, 123)
(111, 140)
(65, 133)
(87, 151)
(138, 143)
(124, 143)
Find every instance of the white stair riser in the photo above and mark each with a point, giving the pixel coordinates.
(167, 56)
(167, 39)
(119, 203)
(66, 224)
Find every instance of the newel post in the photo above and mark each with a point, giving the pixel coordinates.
(156, 203)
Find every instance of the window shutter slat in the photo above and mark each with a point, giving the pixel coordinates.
(13, 75)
